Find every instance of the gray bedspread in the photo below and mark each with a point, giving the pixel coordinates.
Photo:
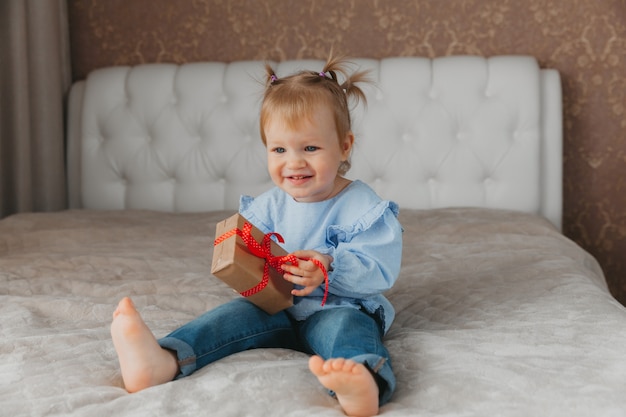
(497, 315)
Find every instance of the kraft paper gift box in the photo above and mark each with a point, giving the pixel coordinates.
(236, 266)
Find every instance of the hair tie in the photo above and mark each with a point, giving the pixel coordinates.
(323, 74)
(273, 78)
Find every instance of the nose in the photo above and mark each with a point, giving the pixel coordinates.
(296, 160)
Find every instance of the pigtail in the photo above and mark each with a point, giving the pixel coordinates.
(339, 65)
(270, 75)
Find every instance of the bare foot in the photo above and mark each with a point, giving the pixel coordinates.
(143, 362)
(355, 387)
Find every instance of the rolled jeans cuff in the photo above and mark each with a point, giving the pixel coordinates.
(184, 355)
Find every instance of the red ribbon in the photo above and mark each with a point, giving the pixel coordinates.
(264, 250)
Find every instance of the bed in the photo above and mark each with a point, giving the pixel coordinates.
(498, 313)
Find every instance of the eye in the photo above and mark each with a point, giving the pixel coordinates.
(310, 148)
(278, 150)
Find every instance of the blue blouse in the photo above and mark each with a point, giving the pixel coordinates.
(356, 227)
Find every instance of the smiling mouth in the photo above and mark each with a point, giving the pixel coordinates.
(299, 177)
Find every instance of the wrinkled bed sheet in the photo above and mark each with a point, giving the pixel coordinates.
(498, 314)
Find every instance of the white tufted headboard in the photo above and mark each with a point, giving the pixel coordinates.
(453, 131)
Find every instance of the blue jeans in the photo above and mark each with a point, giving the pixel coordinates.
(239, 325)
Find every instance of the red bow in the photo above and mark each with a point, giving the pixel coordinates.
(264, 250)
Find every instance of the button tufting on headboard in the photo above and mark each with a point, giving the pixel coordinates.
(451, 131)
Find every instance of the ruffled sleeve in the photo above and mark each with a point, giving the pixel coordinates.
(367, 254)
(377, 213)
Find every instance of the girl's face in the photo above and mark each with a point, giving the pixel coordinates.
(303, 161)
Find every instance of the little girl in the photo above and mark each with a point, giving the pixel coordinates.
(305, 126)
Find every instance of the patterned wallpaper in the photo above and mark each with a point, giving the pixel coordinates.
(585, 40)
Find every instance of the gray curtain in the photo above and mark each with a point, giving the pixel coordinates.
(35, 75)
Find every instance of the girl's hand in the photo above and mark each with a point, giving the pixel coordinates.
(306, 273)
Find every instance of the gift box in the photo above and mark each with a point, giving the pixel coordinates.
(246, 267)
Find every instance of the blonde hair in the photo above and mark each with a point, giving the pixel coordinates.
(295, 97)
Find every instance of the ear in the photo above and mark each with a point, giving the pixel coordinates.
(346, 145)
